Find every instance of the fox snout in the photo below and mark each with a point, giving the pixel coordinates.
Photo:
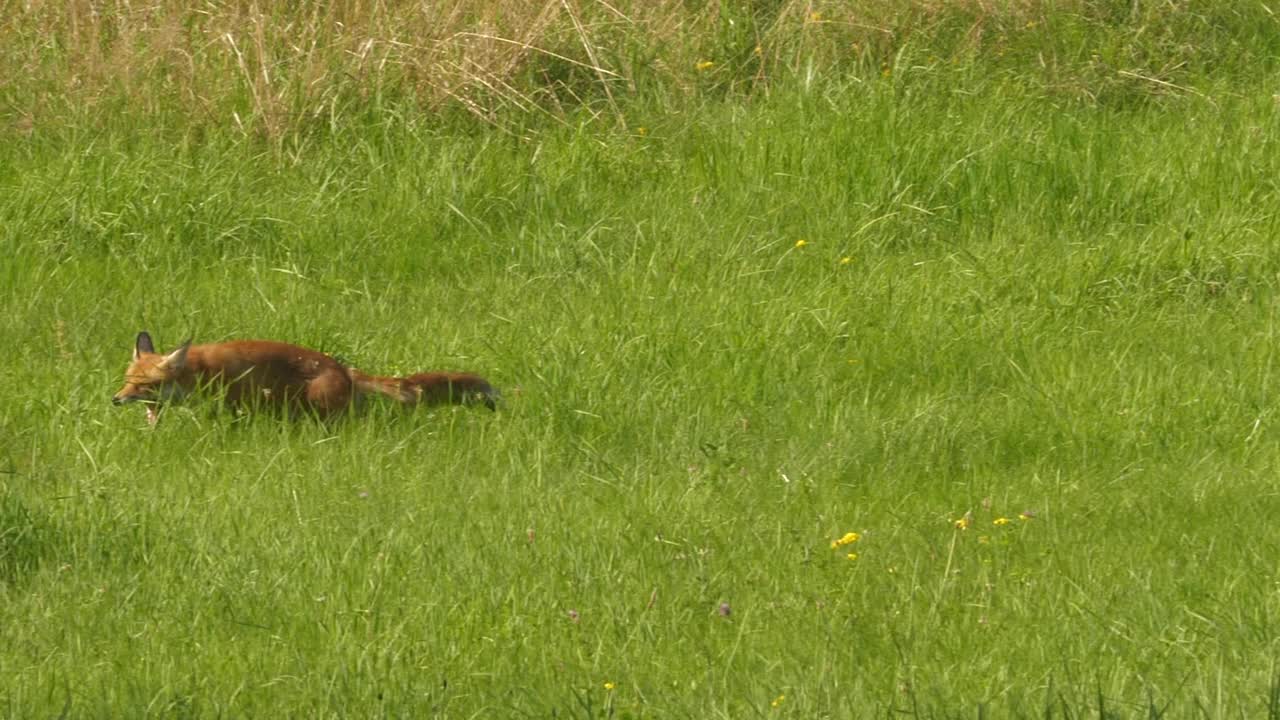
(122, 398)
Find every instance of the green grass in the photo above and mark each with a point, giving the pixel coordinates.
(1054, 306)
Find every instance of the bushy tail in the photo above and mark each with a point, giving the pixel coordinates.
(435, 388)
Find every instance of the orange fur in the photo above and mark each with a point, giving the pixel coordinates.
(264, 373)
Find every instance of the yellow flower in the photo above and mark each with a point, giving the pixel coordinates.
(852, 556)
(815, 16)
(847, 539)
(846, 260)
(610, 686)
(801, 243)
(759, 51)
(642, 131)
(1000, 521)
(963, 523)
(778, 701)
(704, 65)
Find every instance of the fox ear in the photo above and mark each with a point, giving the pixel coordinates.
(177, 359)
(143, 344)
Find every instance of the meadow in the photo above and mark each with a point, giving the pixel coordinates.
(916, 363)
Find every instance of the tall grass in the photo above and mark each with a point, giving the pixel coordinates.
(278, 69)
(1012, 322)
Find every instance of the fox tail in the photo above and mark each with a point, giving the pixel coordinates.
(432, 388)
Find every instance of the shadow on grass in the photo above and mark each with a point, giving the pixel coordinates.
(26, 539)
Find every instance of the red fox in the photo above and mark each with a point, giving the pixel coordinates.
(264, 373)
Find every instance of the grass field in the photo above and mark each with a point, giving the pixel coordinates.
(1016, 333)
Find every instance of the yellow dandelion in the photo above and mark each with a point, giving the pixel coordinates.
(835, 544)
(847, 539)
(759, 51)
(801, 243)
(1001, 521)
(610, 685)
(815, 16)
(778, 701)
(852, 556)
(642, 131)
(704, 65)
(846, 260)
(963, 523)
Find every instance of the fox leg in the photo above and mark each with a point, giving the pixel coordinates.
(330, 392)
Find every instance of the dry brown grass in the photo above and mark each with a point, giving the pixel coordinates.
(274, 68)
(267, 66)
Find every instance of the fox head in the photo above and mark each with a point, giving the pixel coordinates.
(152, 377)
